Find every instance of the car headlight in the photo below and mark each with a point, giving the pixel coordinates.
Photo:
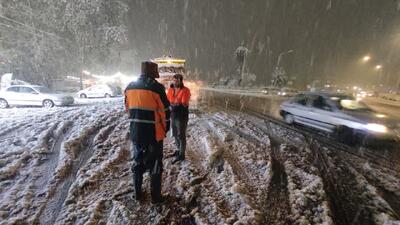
(381, 116)
(376, 127)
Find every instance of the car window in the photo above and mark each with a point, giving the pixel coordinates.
(320, 102)
(301, 99)
(26, 90)
(43, 90)
(13, 89)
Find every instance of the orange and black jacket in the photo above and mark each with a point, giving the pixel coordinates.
(148, 108)
(179, 99)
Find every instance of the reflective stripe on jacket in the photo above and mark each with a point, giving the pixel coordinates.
(148, 108)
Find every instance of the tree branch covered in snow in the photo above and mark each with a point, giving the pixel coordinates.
(43, 40)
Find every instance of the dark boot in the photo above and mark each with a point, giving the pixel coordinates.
(156, 189)
(155, 184)
(138, 192)
(177, 143)
(138, 180)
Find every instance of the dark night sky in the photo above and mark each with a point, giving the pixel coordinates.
(329, 36)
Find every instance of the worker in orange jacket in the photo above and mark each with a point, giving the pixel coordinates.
(148, 109)
(179, 97)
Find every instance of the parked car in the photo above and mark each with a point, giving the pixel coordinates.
(30, 95)
(99, 91)
(340, 114)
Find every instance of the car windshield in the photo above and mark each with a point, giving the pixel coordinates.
(349, 103)
(44, 90)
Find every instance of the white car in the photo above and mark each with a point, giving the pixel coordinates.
(30, 95)
(98, 91)
(338, 113)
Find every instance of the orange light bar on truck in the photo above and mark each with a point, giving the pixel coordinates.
(170, 61)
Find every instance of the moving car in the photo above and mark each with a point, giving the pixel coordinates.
(338, 113)
(31, 95)
(287, 92)
(270, 90)
(99, 91)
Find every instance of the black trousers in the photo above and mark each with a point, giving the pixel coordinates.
(148, 158)
(179, 126)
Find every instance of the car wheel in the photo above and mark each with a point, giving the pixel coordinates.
(83, 96)
(289, 118)
(48, 103)
(3, 104)
(107, 95)
(345, 135)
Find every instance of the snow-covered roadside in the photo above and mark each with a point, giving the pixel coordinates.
(73, 166)
(32, 148)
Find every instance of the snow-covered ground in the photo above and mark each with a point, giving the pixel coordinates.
(72, 165)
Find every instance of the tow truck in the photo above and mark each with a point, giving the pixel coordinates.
(168, 67)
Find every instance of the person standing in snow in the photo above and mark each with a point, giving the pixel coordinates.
(148, 108)
(179, 96)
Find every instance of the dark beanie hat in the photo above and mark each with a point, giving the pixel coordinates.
(150, 69)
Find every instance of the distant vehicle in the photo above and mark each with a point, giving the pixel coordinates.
(287, 92)
(99, 91)
(340, 114)
(168, 67)
(31, 95)
(270, 90)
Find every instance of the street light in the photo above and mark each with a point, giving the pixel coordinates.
(380, 74)
(282, 54)
(366, 58)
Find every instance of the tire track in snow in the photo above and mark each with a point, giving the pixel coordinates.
(53, 207)
(46, 170)
(247, 187)
(341, 202)
(274, 204)
(277, 207)
(81, 148)
(351, 201)
(391, 198)
(30, 171)
(302, 177)
(91, 196)
(386, 183)
(204, 178)
(352, 198)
